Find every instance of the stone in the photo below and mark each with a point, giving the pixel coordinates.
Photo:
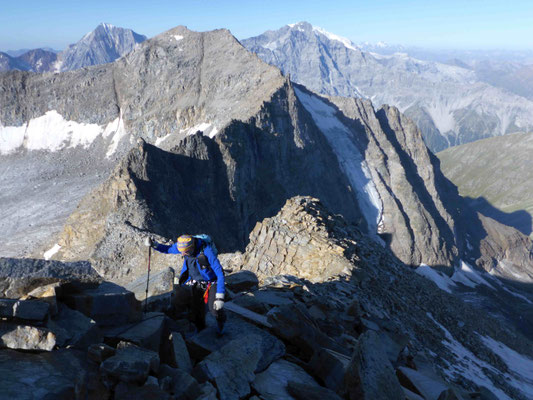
(248, 314)
(160, 289)
(448, 394)
(231, 368)
(72, 328)
(47, 293)
(242, 281)
(145, 333)
(208, 392)
(50, 375)
(130, 364)
(248, 301)
(370, 375)
(272, 383)
(274, 298)
(179, 353)
(108, 304)
(331, 367)
(7, 308)
(19, 277)
(25, 337)
(129, 391)
(206, 341)
(301, 391)
(180, 383)
(411, 395)
(31, 310)
(100, 352)
(421, 384)
(293, 324)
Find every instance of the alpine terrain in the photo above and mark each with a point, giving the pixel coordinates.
(354, 269)
(496, 176)
(449, 103)
(103, 45)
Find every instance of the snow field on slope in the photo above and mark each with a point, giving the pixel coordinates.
(350, 159)
(52, 132)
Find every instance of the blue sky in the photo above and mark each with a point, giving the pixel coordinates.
(466, 24)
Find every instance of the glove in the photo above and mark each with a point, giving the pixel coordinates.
(219, 302)
(148, 242)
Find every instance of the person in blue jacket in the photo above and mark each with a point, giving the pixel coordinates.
(203, 272)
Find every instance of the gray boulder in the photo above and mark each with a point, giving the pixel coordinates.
(272, 383)
(232, 367)
(331, 367)
(99, 352)
(370, 375)
(427, 387)
(23, 337)
(242, 281)
(74, 329)
(19, 277)
(108, 304)
(130, 364)
(30, 310)
(179, 353)
(28, 376)
(181, 385)
(205, 342)
(145, 333)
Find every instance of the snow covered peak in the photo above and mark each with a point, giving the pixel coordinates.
(346, 42)
(307, 27)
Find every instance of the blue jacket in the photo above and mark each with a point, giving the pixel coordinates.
(213, 273)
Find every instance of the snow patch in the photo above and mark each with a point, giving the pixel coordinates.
(467, 365)
(469, 277)
(48, 132)
(117, 126)
(439, 278)
(49, 253)
(350, 159)
(158, 141)
(520, 367)
(442, 117)
(346, 42)
(178, 37)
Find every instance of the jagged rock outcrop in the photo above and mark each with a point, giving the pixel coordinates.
(353, 332)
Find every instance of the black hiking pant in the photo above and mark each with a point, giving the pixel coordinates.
(198, 306)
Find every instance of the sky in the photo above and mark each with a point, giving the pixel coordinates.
(451, 24)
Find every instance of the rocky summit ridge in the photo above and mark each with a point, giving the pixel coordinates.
(350, 322)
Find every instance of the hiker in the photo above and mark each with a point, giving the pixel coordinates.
(202, 271)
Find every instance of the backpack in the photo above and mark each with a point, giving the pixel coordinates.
(208, 241)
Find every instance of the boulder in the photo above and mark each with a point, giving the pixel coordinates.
(24, 337)
(52, 375)
(419, 383)
(232, 367)
(207, 342)
(179, 353)
(294, 324)
(146, 333)
(47, 293)
(331, 367)
(19, 277)
(108, 304)
(129, 391)
(100, 352)
(160, 287)
(130, 364)
(72, 328)
(242, 281)
(272, 384)
(274, 298)
(301, 391)
(28, 310)
(370, 375)
(248, 301)
(181, 385)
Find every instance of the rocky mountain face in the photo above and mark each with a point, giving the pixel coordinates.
(261, 141)
(448, 103)
(103, 45)
(495, 175)
(315, 308)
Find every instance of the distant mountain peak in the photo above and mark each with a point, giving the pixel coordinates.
(307, 27)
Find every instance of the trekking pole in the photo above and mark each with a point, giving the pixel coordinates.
(148, 278)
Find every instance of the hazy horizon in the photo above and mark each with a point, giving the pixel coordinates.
(442, 25)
